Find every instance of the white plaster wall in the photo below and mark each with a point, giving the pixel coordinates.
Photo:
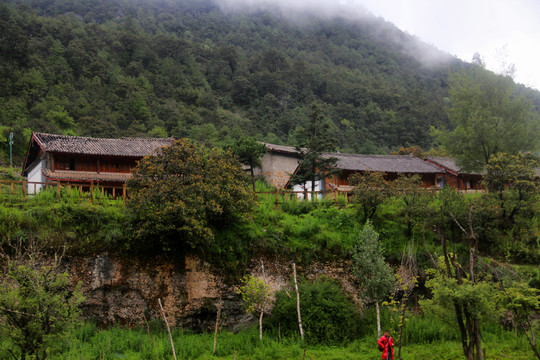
(319, 185)
(36, 175)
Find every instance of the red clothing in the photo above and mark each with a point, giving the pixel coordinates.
(387, 344)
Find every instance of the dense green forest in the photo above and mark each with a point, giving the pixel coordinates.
(189, 69)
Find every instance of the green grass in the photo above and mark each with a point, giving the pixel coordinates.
(88, 342)
(83, 226)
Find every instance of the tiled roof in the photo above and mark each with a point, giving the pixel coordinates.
(281, 148)
(133, 147)
(449, 163)
(405, 164)
(70, 175)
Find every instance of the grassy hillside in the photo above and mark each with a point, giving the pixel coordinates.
(303, 232)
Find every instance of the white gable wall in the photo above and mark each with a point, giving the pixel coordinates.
(36, 175)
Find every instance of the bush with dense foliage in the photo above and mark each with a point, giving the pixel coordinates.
(328, 315)
(182, 195)
(37, 302)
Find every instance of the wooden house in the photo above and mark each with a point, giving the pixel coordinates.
(391, 165)
(454, 177)
(435, 172)
(78, 159)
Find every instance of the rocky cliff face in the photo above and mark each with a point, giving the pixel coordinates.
(126, 291)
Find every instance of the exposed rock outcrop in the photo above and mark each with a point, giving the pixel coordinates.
(126, 291)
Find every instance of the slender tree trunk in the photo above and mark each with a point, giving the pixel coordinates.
(459, 311)
(532, 340)
(378, 319)
(260, 325)
(216, 329)
(298, 304)
(402, 325)
(478, 340)
(168, 328)
(252, 176)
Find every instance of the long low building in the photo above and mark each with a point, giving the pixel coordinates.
(281, 161)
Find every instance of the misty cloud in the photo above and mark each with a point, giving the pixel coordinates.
(294, 8)
(302, 11)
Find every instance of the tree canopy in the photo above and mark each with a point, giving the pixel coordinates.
(249, 152)
(181, 195)
(37, 302)
(490, 115)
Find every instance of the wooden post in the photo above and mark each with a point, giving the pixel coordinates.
(168, 328)
(11, 187)
(219, 304)
(276, 198)
(124, 192)
(24, 188)
(113, 193)
(69, 189)
(80, 192)
(305, 194)
(298, 303)
(92, 191)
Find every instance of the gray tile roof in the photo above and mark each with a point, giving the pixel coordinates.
(450, 164)
(445, 162)
(405, 164)
(130, 147)
(281, 148)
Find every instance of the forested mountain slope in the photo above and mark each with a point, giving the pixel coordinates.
(112, 68)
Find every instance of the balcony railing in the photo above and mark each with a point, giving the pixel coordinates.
(90, 190)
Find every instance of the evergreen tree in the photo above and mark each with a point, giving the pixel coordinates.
(316, 142)
(249, 152)
(374, 275)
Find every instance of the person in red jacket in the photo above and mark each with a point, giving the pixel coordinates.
(387, 344)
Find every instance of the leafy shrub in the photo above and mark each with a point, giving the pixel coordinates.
(328, 315)
(183, 195)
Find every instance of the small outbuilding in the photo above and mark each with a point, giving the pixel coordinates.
(278, 163)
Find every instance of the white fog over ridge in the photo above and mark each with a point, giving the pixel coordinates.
(501, 31)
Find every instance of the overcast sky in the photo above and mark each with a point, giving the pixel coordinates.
(499, 30)
(510, 28)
